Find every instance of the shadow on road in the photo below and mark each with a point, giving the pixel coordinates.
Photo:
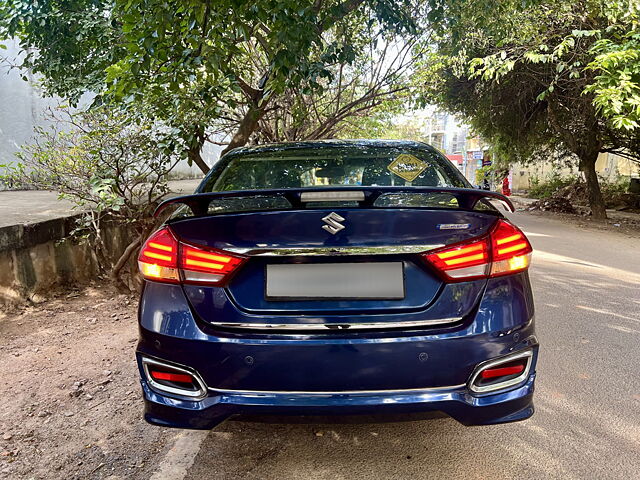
(539, 448)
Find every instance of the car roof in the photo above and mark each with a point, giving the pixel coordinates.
(355, 143)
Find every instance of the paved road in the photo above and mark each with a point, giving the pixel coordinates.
(587, 424)
(30, 206)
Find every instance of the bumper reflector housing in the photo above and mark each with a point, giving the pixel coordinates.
(505, 372)
(171, 377)
(168, 378)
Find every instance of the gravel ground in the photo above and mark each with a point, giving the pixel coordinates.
(71, 401)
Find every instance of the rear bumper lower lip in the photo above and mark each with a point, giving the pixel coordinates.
(335, 326)
(454, 401)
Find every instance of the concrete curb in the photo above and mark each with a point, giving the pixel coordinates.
(36, 258)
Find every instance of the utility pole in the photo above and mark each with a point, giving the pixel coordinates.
(464, 155)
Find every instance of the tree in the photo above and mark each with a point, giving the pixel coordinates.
(114, 167)
(194, 61)
(616, 85)
(535, 80)
(358, 96)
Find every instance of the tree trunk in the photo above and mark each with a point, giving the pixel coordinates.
(194, 156)
(122, 261)
(246, 127)
(596, 202)
(128, 252)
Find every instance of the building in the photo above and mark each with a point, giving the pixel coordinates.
(609, 167)
(21, 107)
(453, 138)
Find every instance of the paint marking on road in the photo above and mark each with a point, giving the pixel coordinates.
(615, 273)
(622, 329)
(532, 234)
(606, 312)
(176, 464)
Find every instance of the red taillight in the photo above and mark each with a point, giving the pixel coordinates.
(502, 371)
(163, 258)
(158, 259)
(462, 262)
(510, 249)
(161, 248)
(200, 265)
(504, 251)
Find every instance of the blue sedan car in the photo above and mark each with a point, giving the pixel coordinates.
(336, 278)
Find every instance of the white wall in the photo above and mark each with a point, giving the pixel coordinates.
(22, 107)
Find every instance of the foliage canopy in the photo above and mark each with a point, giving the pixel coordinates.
(542, 79)
(194, 62)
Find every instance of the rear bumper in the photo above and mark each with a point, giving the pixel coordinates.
(339, 373)
(455, 402)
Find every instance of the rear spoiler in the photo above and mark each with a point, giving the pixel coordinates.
(365, 196)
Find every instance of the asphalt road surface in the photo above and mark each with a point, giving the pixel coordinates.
(587, 420)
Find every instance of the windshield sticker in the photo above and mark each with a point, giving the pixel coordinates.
(407, 167)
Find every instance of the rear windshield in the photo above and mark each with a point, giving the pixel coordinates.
(334, 167)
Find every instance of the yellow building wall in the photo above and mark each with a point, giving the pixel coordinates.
(608, 165)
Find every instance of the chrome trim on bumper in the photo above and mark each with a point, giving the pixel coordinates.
(528, 354)
(190, 394)
(330, 251)
(338, 392)
(336, 326)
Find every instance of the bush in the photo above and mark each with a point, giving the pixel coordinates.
(111, 165)
(616, 186)
(544, 189)
(561, 191)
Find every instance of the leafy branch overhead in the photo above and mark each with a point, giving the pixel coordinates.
(533, 77)
(606, 57)
(197, 62)
(553, 77)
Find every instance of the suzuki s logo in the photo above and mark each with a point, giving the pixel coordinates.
(333, 224)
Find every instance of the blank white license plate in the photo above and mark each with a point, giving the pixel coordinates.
(384, 280)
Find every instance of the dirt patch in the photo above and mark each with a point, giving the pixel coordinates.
(71, 402)
(554, 204)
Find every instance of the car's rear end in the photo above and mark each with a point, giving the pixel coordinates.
(367, 281)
